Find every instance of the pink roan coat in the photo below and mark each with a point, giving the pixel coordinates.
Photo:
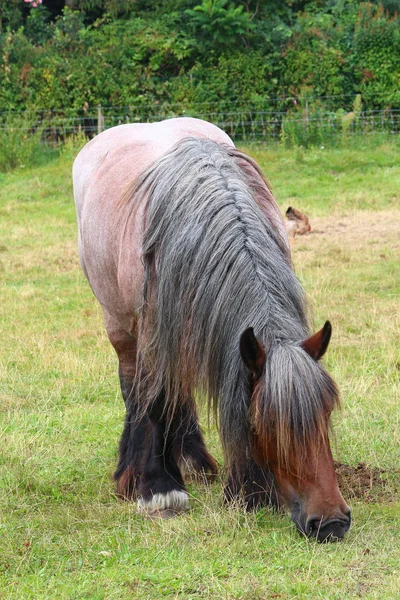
(100, 173)
(112, 235)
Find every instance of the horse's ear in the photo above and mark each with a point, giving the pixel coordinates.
(317, 344)
(252, 352)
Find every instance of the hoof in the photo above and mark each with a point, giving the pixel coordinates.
(164, 506)
(161, 514)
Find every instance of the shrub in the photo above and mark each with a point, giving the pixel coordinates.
(21, 143)
(376, 56)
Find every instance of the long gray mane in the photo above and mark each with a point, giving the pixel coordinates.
(214, 266)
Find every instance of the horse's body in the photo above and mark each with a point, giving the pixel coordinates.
(185, 249)
(101, 172)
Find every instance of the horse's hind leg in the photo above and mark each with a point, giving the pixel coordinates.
(189, 447)
(136, 434)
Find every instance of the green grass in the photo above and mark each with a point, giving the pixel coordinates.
(334, 180)
(63, 533)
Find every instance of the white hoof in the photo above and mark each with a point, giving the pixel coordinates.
(164, 505)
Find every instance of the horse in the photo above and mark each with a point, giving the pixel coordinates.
(184, 246)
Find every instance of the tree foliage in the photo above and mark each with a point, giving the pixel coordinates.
(220, 22)
(151, 55)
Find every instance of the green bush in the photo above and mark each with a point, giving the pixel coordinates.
(222, 60)
(21, 144)
(310, 126)
(213, 53)
(376, 56)
(220, 22)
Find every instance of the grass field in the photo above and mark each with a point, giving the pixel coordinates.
(64, 534)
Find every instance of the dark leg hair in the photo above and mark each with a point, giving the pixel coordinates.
(135, 441)
(152, 446)
(253, 486)
(189, 447)
(136, 435)
(161, 490)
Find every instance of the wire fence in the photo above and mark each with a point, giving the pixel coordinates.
(302, 125)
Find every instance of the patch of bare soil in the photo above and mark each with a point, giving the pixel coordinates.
(362, 482)
(357, 228)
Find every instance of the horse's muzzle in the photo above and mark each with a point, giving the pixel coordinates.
(331, 530)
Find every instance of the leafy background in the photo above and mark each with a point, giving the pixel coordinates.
(214, 55)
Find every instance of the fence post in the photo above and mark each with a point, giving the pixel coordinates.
(100, 120)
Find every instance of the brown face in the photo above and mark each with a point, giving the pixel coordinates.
(305, 478)
(310, 490)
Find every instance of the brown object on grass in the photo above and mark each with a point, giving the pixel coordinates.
(297, 223)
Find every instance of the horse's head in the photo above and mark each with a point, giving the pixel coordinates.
(292, 399)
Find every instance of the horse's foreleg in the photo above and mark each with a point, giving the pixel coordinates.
(161, 490)
(136, 435)
(252, 486)
(189, 447)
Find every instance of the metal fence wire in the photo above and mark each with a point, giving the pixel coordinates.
(301, 126)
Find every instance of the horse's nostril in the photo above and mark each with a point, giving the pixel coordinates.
(313, 526)
(330, 530)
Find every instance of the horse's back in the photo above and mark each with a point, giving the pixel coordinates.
(101, 172)
(141, 142)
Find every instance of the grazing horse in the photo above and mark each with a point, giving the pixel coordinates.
(185, 248)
